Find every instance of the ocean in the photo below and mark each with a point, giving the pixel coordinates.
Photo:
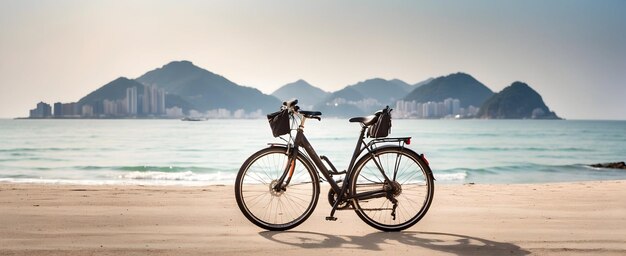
(172, 152)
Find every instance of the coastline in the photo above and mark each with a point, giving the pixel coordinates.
(574, 218)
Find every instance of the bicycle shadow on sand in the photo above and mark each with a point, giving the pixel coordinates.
(444, 242)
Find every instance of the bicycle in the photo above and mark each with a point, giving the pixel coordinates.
(390, 187)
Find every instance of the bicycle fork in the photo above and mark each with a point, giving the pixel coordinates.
(281, 183)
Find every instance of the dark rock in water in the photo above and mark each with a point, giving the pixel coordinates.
(616, 165)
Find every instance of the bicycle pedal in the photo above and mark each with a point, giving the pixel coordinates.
(331, 218)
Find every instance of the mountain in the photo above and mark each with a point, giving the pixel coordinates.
(338, 104)
(363, 98)
(407, 87)
(206, 90)
(114, 90)
(306, 94)
(517, 101)
(457, 86)
(182, 84)
(423, 82)
(347, 93)
(386, 92)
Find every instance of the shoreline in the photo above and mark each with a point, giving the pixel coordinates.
(70, 184)
(573, 218)
(197, 184)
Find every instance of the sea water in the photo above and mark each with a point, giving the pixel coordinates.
(172, 152)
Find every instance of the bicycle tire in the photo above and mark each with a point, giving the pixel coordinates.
(266, 208)
(414, 180)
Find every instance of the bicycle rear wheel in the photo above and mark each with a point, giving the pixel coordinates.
(270, 209)
(411, 183)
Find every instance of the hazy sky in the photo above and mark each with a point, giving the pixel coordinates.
(572, 52)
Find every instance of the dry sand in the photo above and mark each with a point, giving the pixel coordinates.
(584, 218)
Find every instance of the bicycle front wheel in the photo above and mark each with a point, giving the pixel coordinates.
(266, 207)
(409, 183)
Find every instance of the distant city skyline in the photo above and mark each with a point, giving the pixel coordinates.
(572, 52)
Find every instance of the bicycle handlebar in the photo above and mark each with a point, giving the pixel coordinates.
(293, 108)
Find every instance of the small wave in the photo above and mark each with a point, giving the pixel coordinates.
(40, 149)
(469, 170)
(527, 173)
(181, 176)
(91, 182)
(450, 176)
(532, 149)
(46, 159)
(159, 176)
(187, 178)
(20, 154)
(191, 150)
(147, 168)
(524, 167)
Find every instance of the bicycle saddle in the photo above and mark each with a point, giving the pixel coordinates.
(365, 120)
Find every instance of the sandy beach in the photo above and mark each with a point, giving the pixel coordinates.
(579, 218)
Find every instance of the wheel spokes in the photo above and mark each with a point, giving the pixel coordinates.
(276, 208)
(408, 185)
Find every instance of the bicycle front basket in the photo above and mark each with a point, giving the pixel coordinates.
(279, 122)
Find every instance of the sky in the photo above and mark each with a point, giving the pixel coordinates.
(572, 52)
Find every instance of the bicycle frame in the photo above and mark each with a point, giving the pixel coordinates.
(300, 140)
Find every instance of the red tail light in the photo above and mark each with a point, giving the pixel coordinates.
(408, 141)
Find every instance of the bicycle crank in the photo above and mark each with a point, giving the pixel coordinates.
(332, 197)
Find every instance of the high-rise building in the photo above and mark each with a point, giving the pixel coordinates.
(58, 109)
(161, 102)
(145, 98)
(121, 107)
(431, 109)
(43, 110)
(418, 110)
(109, 107)
(154, 96)
(400, 109)
(131, 101)
(440, 110)
(448, 103)
(456, 107)
(87, 110)
(71, 110)
(152, 101)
